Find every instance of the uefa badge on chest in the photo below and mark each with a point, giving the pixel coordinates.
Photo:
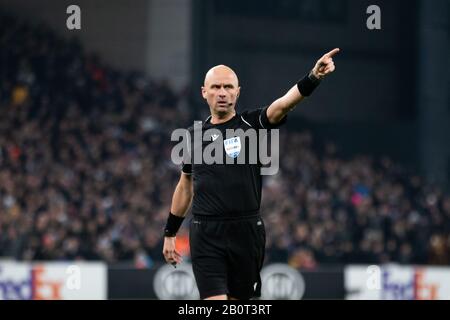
(232, 146)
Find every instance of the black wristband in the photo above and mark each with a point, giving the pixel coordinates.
(173, 224)
(308, 84)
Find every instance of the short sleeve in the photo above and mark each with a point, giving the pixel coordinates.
(186, 168)
(257, 118)
(186, 165)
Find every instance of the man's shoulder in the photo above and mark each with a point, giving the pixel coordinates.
(251, 111)
(201, 122)
(252, 116)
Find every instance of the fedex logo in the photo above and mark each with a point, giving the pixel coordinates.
(53, 281)
(392, 282)
(29, 284)
(415, 288)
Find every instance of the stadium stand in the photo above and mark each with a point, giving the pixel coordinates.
(85, 172)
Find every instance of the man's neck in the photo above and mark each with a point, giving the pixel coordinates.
(218, 119)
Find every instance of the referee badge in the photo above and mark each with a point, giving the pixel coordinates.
(232, 146)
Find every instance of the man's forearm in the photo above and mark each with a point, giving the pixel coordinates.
(280, 107)
(290, 100)
(181, 200)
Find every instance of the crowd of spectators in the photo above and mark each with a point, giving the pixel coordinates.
(85, 172)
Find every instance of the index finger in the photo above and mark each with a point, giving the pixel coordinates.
(332, 53)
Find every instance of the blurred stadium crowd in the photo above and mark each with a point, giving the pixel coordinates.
(85, 172)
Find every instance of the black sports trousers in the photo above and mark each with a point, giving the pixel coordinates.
(227, 255)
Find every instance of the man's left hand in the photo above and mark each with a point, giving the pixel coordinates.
(325, 65)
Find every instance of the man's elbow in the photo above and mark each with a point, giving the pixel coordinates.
(278, 112)
(276, 119)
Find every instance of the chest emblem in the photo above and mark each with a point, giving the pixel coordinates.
(232, 146)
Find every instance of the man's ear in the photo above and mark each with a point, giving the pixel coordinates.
(203, 93)
(238, 92)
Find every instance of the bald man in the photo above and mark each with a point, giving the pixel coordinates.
(227, 235)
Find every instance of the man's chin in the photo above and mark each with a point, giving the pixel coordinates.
(224, 108)
(224, 113)
(224, 105)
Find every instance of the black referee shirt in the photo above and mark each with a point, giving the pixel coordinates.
(229, 190)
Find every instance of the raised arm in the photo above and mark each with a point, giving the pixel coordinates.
(280, 107)
(181, 202)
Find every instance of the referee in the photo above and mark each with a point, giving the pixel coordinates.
(227, 235)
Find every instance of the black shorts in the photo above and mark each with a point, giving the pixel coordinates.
(227, 255)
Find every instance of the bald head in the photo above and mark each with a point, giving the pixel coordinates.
(220, 73)
(221, 91)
